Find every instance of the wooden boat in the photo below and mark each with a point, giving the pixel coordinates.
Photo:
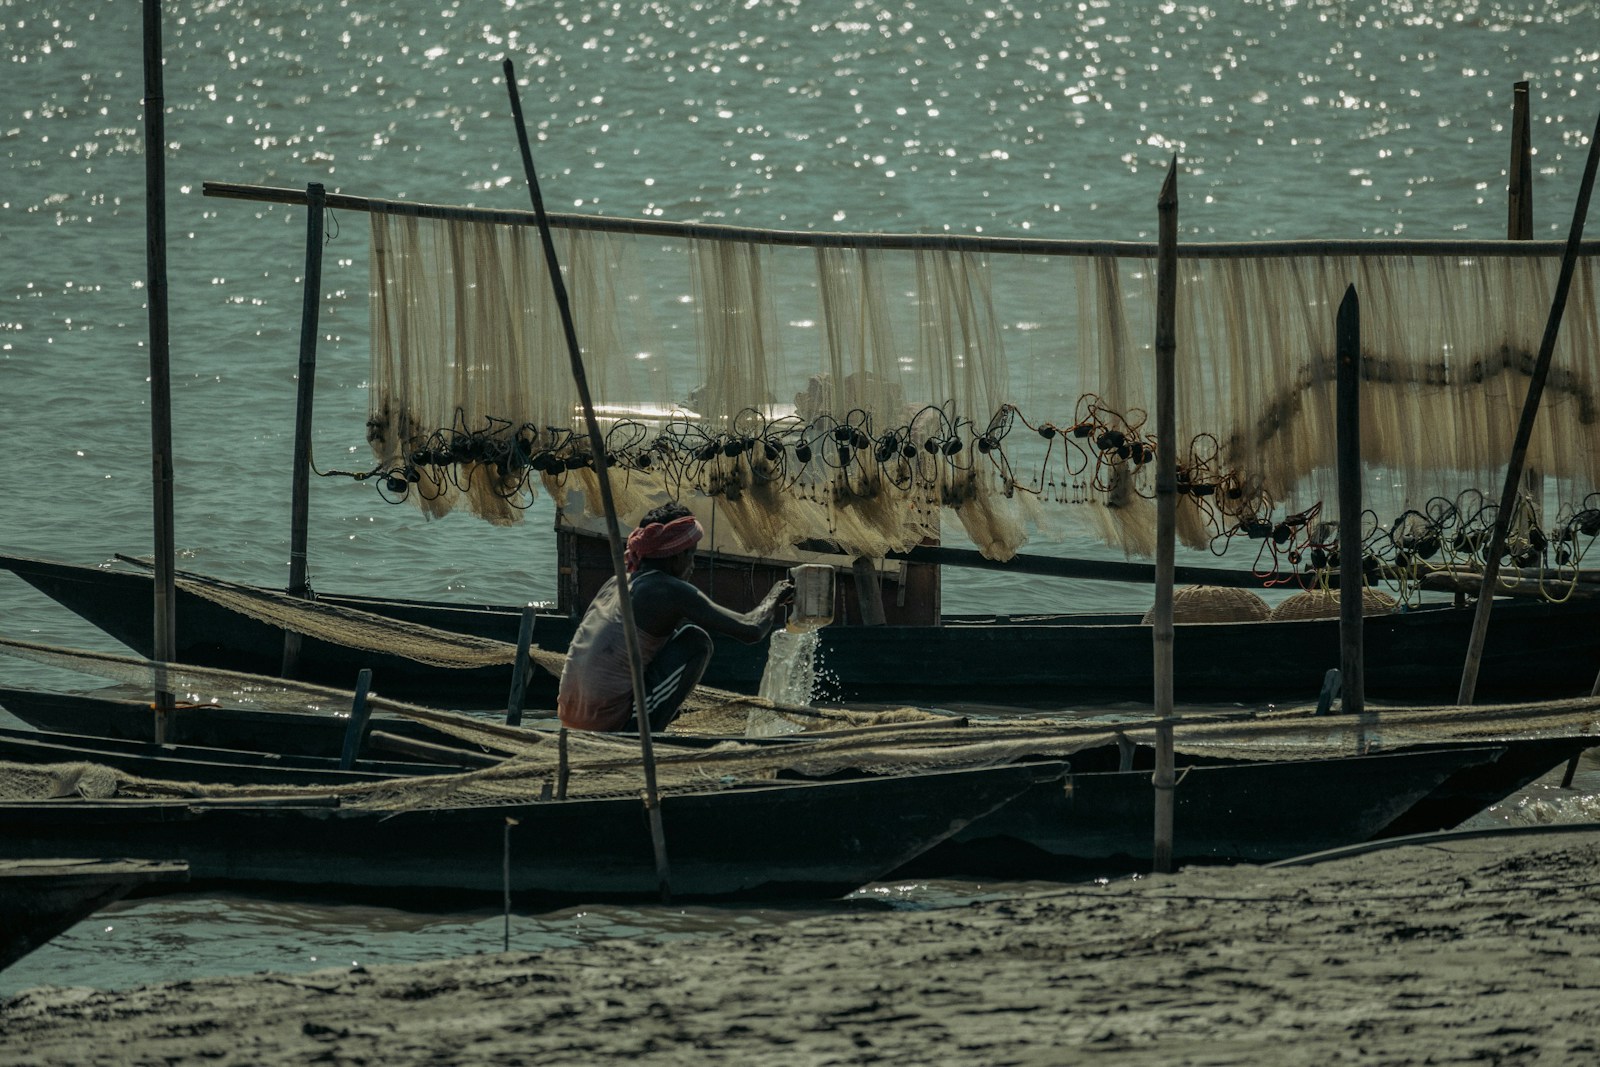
(1472, 789)
(1533, 650)
(39, 898)
(211, 635)
(304, 737)
(1466, 792)
(285, 733)
(205, 766)
(788, 841)
(1233, 807)
(1101, 822)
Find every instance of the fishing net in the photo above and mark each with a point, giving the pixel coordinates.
(550, 764)
(367, 630)
(543, 763)
(861, 389)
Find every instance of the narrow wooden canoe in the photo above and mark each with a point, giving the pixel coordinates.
(1533, 650)
(788, 841)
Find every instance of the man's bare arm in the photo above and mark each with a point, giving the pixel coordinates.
(665, 605)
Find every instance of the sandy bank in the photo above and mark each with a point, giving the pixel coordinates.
(1484, 950)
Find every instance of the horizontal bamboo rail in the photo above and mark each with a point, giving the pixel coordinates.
(1026, 246)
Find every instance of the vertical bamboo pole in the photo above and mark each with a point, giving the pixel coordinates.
(155, 200)
(305, 392)
(597, 448)
(1530, 410)
(1351, 578)
(1166, 508)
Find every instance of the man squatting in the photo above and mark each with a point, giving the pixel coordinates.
(674, 619)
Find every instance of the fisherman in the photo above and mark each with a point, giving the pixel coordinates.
(675, 621)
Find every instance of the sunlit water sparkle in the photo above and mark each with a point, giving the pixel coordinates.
(1317, 118)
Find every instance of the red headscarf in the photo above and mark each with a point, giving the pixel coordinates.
(660, 540)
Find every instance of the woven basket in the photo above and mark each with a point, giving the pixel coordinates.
(1215, 603)
(1324, 604)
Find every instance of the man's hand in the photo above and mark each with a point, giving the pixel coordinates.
(777, 598)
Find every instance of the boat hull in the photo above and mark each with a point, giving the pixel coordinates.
(287, 733)
(812, 840)
(1246, 812)
(204, 766)
(1533, 650)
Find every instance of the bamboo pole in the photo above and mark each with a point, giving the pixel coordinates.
(1022, 246)
(1530, 410)
(155, 199)
(1352, 680)
(1166, 510)
(305, 392)
(597, 447)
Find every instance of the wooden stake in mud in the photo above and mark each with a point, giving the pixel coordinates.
(505, 882)
(597, 449)
(305, 392)
(155, 200)
(1166, 509)
(1530, 410)
(1347, 418)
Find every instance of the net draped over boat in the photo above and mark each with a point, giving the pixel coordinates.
(854, 388)
(543, 764)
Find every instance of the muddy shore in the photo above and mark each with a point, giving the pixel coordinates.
(1481, 949)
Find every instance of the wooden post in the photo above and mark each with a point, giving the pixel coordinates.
(1331, 684)
(519, 671)
(1530, 410)
(1166, 509)
(356, 728)
(505, 880)
(1519, 186)
(155, 201)
(869, 593)
(1351, 577)
(563, 768)
(305, 390)
(597, 449)
(1519, 225)
(1572, 769)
